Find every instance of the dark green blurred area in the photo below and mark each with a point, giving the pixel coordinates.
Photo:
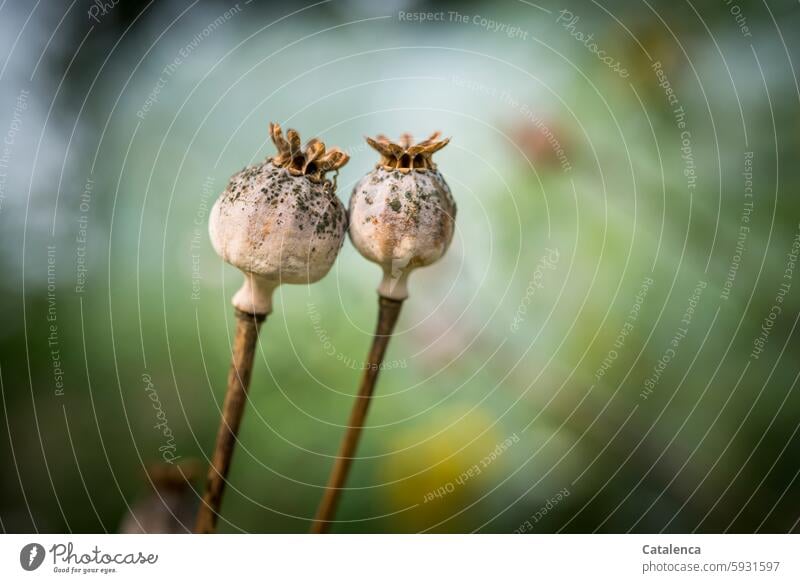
(713, 446)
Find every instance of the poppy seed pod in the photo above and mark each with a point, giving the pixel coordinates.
(280, 221)
(402, 214)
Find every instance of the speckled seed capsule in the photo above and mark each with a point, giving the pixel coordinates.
(280, 221)
(402, 214)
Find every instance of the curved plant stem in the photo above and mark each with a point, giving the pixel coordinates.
(388, 312)
(244, 346)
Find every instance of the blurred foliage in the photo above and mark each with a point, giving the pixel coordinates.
(714, 447)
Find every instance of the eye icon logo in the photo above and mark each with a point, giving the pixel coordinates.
(31, 556)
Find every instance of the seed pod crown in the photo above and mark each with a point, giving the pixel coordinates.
(313, 162)
(405, 155)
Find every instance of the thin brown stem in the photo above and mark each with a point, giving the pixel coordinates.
(244, 346)
(388, 312)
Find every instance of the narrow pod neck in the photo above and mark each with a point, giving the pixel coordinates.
(394, 285)
(255, 295)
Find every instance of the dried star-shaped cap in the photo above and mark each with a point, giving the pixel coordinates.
(405, 155)
(313, 162)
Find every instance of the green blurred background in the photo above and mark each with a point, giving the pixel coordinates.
(586, 357)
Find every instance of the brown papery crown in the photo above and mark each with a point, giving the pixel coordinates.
(313, 161)
(404, 154)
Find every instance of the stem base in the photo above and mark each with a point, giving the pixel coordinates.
(244, 346)
(388, 312)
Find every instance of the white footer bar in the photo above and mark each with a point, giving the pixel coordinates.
(406, 558)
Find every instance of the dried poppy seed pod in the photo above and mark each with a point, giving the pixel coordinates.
(402, 214)
(280, 221)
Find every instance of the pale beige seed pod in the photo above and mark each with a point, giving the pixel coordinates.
(280, 221)
(402, 214)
